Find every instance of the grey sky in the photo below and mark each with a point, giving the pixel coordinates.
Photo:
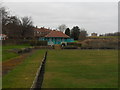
(100, 17)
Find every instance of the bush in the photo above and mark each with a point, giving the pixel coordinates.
(27, 42)
(32, 43)
(76, 44)
(38, 43)
(100, 44)
(69, 47)
(42, 43)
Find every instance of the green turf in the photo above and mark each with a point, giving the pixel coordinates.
(81, 69)
(4, 47)
(0, 82)
(22, 76)
(0, 53)
(6, 55)
(0, 67)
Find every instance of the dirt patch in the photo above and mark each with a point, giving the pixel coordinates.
(10, 64)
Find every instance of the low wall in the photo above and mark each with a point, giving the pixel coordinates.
(37, 83)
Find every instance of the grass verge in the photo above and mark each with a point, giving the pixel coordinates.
(6, 55)
(23, 75)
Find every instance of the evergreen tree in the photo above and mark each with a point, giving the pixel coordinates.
(75, 32)
(67, 31)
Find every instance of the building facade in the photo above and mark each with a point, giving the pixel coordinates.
(3, 37)
(93, 34)
(56, 37)
(41, 32)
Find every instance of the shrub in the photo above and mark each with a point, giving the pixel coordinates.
(69, 47)
(26, 42)
(76, 44)
(38, 43)
(100, 44)
(41, 43)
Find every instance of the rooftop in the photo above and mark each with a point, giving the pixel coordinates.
(55, 33)
(42, 29)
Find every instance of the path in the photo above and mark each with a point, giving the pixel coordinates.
(10, 64)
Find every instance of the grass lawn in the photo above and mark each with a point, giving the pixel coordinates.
(22, 76)
(6, 55)
(81, 69)
(0, 53)
(14, 46)
(0, 83)
(0, 67)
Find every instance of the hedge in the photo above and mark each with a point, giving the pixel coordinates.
(20, 42)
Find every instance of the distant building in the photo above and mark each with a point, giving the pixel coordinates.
(41, 32)
(3, 37)
(93, 34)
(56, 37)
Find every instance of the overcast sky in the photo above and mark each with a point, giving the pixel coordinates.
(99, 17)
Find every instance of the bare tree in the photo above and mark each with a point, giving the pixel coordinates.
(4, 18)
(27, 26)
(83, 34)
(0, 19)
(62, 27)
(13, 28)
(26, 21)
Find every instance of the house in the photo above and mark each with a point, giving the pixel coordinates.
(93, 34)
(56, 37)
(41, 32)
(3, 37)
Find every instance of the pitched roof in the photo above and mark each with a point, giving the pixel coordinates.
(55, 33)
(42, 29)
(3, 35)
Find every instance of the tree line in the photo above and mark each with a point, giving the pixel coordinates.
(22, 28)
(15, 27)
(111, 34)
(76, 33)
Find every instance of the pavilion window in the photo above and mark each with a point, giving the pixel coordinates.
(52, 39)
(63, 39)
(55, 39)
